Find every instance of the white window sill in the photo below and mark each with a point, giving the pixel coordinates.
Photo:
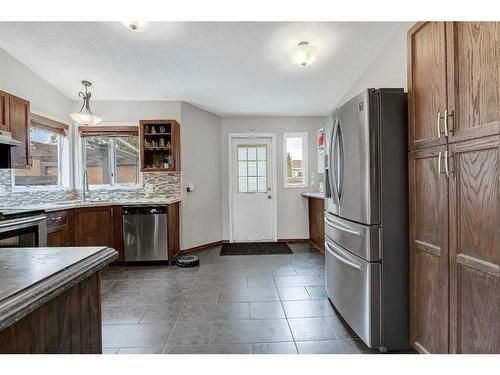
(20, 189)
(114, 187)
(302, 186)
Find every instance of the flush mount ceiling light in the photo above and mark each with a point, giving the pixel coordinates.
(304, 54)
(137, 26)
(85, 115)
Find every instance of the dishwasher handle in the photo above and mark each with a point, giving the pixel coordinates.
(144, 210)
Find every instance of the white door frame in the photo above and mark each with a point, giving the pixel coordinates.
(274, 187)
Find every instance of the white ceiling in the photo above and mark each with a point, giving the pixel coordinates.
(229, 68)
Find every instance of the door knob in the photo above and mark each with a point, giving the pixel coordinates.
(269, 197)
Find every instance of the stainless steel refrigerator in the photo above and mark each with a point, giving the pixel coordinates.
(366, 218)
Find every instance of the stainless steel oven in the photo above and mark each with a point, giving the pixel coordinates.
(21, 228)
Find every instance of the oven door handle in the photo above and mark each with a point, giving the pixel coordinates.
(11, 224)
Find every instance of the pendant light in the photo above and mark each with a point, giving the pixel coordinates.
(85, 115)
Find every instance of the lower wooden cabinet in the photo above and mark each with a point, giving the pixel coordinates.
(455, 247)
(94, 226)
(429, 308)
(316, 222)
(475, 246)
(60, 228)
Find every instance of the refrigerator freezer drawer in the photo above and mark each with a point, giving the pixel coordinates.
(361, 240)
(353, 286)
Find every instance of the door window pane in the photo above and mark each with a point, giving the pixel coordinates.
(252, 164)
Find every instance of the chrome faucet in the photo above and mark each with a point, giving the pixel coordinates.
(85, 185)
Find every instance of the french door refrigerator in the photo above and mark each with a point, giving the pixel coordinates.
(366, 218)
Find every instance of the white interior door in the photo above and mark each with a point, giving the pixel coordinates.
(252, 198)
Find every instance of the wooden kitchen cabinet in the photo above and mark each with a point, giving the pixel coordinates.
(453, 82)
(4, 111)
(473, 62)
(428, 251)
(19, 123)
(316, 222)
(15, 118)
(475, 246)
(426, 83)
(455, 186)
(60, 228)
(94, 226)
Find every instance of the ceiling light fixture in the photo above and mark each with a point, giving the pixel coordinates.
(304, 54)
(137, 26)
(85, 115)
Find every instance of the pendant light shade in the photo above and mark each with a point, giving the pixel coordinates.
(85, 115)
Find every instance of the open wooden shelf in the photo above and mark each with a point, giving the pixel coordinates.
(159, 146)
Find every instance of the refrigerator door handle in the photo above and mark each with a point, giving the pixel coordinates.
(333, 173)
(341, 228)
(340, 258)
(340, 177)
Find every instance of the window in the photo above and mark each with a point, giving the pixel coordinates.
(111, 157)
(295, 157)
(252, 169)
(48, 145)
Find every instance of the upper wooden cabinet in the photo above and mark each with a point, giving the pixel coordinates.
(160, 145)
(453, 82)
(15, 118)
(427, 99)
(473, 58)
(4, 111)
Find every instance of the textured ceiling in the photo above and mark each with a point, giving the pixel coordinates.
(229, 68)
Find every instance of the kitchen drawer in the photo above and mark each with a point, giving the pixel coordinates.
(353, 286)
(362, 240)
(58, 218)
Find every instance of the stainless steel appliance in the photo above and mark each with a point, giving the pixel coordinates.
(145, 233)
(366, 218)
(22, 228)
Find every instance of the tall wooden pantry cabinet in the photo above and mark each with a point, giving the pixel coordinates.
(454, 174)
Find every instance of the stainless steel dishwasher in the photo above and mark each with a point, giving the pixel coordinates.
(145, 233)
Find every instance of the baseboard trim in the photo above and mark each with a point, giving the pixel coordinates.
(201, 247)
(292, 240)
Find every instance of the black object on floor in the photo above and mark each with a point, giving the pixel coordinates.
(188, 261)
(255, 248)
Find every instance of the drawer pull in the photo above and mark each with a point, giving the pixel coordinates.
(331, 251)
(343, 229)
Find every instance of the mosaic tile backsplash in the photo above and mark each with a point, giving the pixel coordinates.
(155, 186)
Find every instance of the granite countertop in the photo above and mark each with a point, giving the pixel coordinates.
(29, 277)
(66, 205)
(314, 194)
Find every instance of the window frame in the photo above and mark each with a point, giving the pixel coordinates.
(112, 167)
(256, 146)
(60, 140)
(305, 165)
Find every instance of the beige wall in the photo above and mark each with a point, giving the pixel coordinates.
(292, 207)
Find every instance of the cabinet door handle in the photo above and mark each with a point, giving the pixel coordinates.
(447, 158)
(438, 129)
(446, 123)
(439, 163)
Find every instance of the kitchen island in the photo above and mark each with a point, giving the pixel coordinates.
(50, 299)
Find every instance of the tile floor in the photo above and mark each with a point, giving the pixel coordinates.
(231, 304)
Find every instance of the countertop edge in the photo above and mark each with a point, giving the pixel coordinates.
(17, 306)
(55, 207)
(314, 195)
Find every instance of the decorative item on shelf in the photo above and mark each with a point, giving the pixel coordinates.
(162, 142)
(153, 130)
(170, 160)
(165, 164)
(162, 129)
(168, 144)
